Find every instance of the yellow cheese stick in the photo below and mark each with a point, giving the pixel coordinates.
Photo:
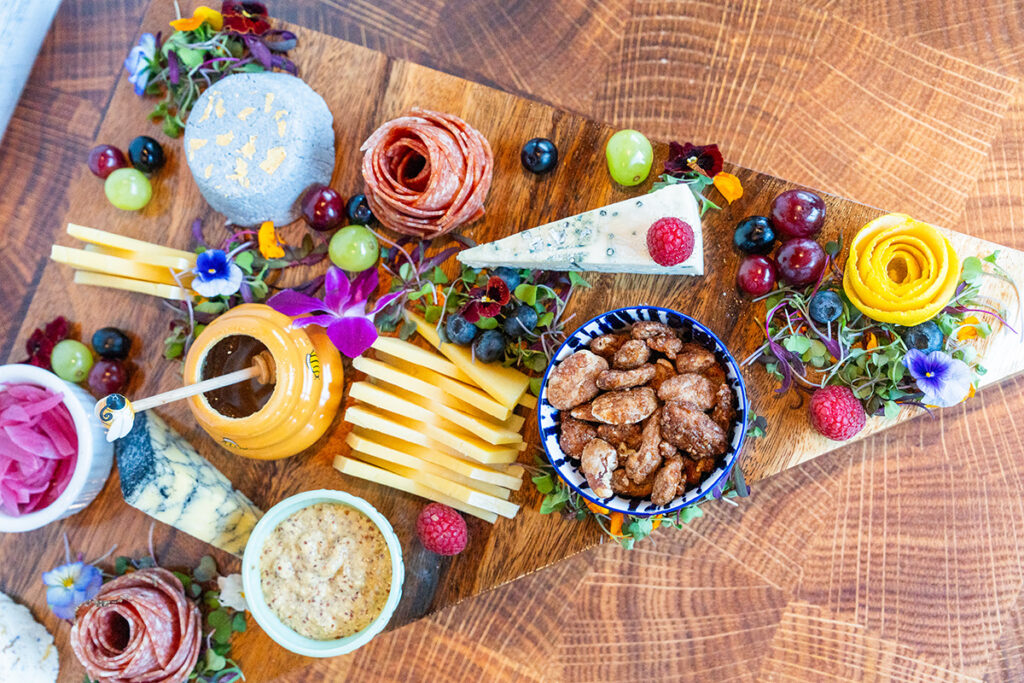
(361, 470)
(423, 434)
(148, 258)
(506, 385)
(416, 457)
(109, 239)
(111, 265)
(528, 401)
(174, 293)
(399, 348)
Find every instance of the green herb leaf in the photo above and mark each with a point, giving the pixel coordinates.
(545, 319)
(405, 271)
(121, 564)
(991, 258)
(407, 330)
(423, 291)
(576, 280)
(535, 385)
(692, 512)
(487, 323)
(437, 276)
(206, 570)
(527, 294)
(797, 343)
(238, 622)
(544, 483)
(244, 261)
(554, 501)
(892, 409)
(432, 314)
(971, 269)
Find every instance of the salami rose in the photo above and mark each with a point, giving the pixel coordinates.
(426, 173)
(140, 628)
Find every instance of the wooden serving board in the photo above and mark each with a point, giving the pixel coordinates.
(364, 88)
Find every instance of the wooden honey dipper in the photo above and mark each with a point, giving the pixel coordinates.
(117, 413)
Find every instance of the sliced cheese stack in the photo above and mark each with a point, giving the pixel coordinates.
(119, 262)
(438, 425)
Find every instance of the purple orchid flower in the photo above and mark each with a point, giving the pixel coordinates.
(944, 380)
(342, 312)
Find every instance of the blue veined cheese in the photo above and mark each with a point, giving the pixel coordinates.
(612, 239)
(27, 652)
(256, 142)
(162, 475)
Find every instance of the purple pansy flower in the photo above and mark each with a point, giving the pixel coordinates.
(216, 274)
(342, 312)
(944, 380)
(69, 585)
(140, 61)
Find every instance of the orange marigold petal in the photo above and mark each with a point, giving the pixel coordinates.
(187, 23)
(967, 329)
(595, 508)
(616, 526)
(270, 246)
(202, 14)
(729, 186)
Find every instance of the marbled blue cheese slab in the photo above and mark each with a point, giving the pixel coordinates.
(255, 142)
(27, 652)
(162, 475)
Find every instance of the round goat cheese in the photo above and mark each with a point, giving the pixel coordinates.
(255, 142)
(27, 652)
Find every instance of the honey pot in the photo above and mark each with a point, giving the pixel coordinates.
(275, 420)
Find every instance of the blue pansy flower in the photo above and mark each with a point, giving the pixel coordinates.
(69, 585)
(216, 274)
(944, 380)
(139, 62)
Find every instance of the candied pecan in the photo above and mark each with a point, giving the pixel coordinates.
(668, 344)
(666, 481)
(584, 412)
(598, 461)
(624, 486)
(575, 435)
(715, 373)
(724, 410)
(686, 426)
(663, 369)
(628, 434)
(626, 406)
(623, 452)
(666, 449)
(693, 358)
(632, 354)
(693, 472)
(695, 389)
(623, 379)
(607, 344)
(645, 329)
(647, 458)
(574, 380)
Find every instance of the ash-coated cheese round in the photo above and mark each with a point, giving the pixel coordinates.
(255, 142)
(27, 652)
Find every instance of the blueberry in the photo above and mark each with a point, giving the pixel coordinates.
(460, 331)
(111, 343)
(489, 346)
(926, 337)
(825, 307)
(509, 275)
(523, 320)
(754, 235)
(539, 155)
(146, 154)
(358, 210)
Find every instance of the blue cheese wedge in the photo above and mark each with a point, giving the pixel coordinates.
(27, 652)
(256, 142)
(162, 475)
(612, 239)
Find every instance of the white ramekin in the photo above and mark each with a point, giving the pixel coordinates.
(269, 621)
(95, 455)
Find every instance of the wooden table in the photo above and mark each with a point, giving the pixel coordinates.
(894, 557)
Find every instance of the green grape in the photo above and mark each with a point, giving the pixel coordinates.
(71, 360)
(128, 189)
(629, 156)
(354, 248)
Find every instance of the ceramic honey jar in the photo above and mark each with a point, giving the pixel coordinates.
(272, 421)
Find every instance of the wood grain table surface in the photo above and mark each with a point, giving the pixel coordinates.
(898, 557)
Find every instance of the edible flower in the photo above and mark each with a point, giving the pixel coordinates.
(944, 380)
(342, 312)
(690, 158)
(245, 17)
(42, 340)
(202, 14)
(968, 328)
(231, 593)
(728, 185)
(139, 63)
(216, 274)
(487, 301)
(270, 244)
(69, 585)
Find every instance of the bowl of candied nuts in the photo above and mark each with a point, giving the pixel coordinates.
(642, 411)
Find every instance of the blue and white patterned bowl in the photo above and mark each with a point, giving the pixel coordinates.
(549, 418)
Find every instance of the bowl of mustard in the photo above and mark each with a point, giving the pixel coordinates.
(322, 573)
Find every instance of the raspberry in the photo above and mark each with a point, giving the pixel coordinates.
(442, 530)
(836, 413)
(669, 241)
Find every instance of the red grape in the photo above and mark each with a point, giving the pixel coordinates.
(323, 208)
(801, 261)
(798, 213)
(756, 275)
(105, 159)
(108, 377)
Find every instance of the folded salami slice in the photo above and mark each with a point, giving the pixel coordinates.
(426, 173)
(140, 628)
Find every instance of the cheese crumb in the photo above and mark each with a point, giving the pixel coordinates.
(224, 139)
(207, 110)
(208, 171)
(218, 108)
(245, 113)
(275, 157)
(269, 100)
(248, 149)
(241, 171)
(196, 143)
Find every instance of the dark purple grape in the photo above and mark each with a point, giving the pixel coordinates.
(323, 208)
(146, 154)
(105, 159)
(754, 235)
(798, 213)
(108, 377)
(756, 275)
(801, 261)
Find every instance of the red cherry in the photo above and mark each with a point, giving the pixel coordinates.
(798, 213)
(801, 261)
(105, 159)
(323, 208)
(756, 275)
(108, 377)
